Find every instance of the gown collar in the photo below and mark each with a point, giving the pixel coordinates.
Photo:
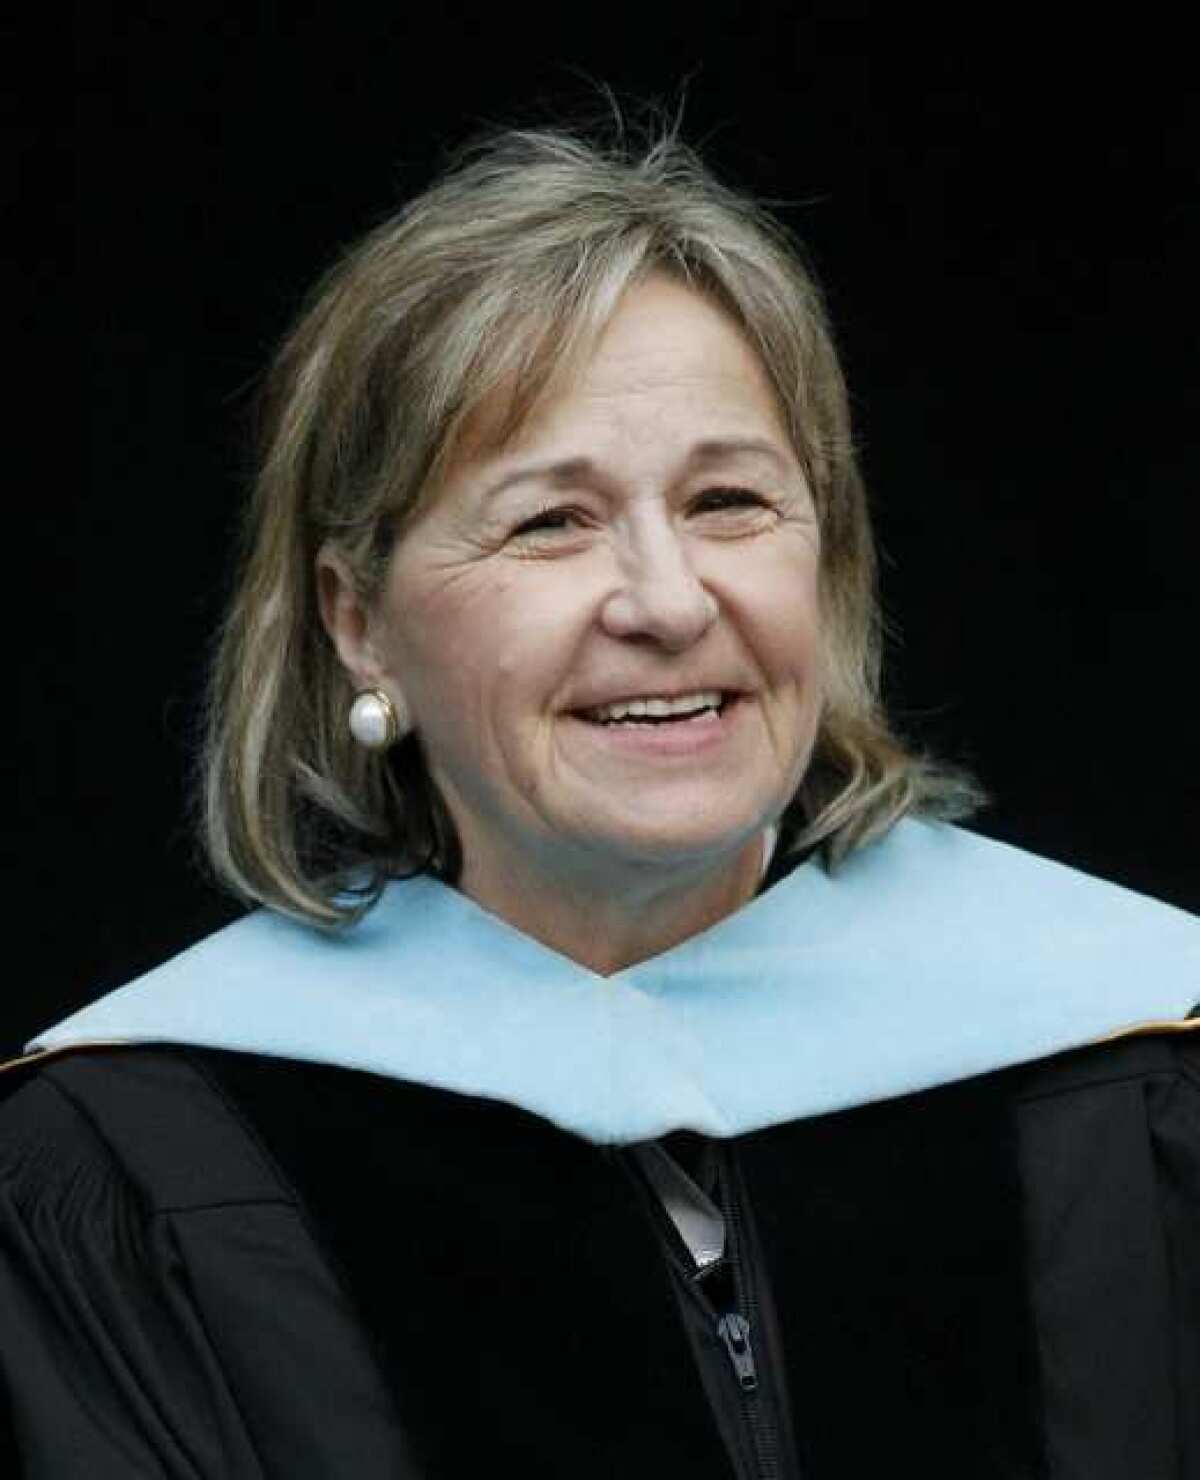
(928, 956)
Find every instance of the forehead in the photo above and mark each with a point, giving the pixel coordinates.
(663, 332)
(669, 361)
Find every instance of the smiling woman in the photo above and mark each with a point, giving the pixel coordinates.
(627, 1068)
(503, 372)
(616, 692)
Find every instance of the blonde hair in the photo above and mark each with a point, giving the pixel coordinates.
(502, 274)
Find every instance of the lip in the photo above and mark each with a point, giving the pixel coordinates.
(688, 737)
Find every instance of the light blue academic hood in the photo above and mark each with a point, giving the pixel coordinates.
(929, 956)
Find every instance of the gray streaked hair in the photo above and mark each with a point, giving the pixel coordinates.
(501, 276)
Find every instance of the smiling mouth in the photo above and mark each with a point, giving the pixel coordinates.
(652, 712)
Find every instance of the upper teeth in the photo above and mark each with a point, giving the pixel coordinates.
(625, 708)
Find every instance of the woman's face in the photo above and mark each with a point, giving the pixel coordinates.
(648, 536)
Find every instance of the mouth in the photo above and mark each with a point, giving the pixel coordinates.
(659, 711)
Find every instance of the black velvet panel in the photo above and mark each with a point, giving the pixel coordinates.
(505, 1270)
(894, 1238)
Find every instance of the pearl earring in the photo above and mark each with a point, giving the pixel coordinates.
(374, 722)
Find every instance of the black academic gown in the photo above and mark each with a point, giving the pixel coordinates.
(223, 1264)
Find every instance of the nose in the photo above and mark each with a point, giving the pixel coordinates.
(659, 595)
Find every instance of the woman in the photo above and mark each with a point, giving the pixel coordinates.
(625, 1074)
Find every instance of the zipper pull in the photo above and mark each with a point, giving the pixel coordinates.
(734, 1331)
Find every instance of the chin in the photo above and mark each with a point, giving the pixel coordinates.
(679, 846)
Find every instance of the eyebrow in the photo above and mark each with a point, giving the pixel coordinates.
(702, 454)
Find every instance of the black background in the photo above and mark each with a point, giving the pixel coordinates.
(1005, 224)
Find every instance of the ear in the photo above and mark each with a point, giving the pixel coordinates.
(348, 621)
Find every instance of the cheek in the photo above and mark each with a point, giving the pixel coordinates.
(432, 653)
(488, 647)
(786, 614)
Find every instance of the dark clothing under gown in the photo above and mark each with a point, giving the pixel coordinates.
(225, 1265)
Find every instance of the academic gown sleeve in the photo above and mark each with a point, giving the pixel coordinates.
(146, 1332)
(1111, 1173)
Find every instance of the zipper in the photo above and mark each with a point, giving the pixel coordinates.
(736, 1328)
(740, 1370)
(734, 1331)
(731, 1314)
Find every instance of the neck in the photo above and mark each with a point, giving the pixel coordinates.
(607, 929)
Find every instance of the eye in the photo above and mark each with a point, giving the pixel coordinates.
(549, 520)
(722, 500)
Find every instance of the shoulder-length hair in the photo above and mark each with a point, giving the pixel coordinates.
(502, 274)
